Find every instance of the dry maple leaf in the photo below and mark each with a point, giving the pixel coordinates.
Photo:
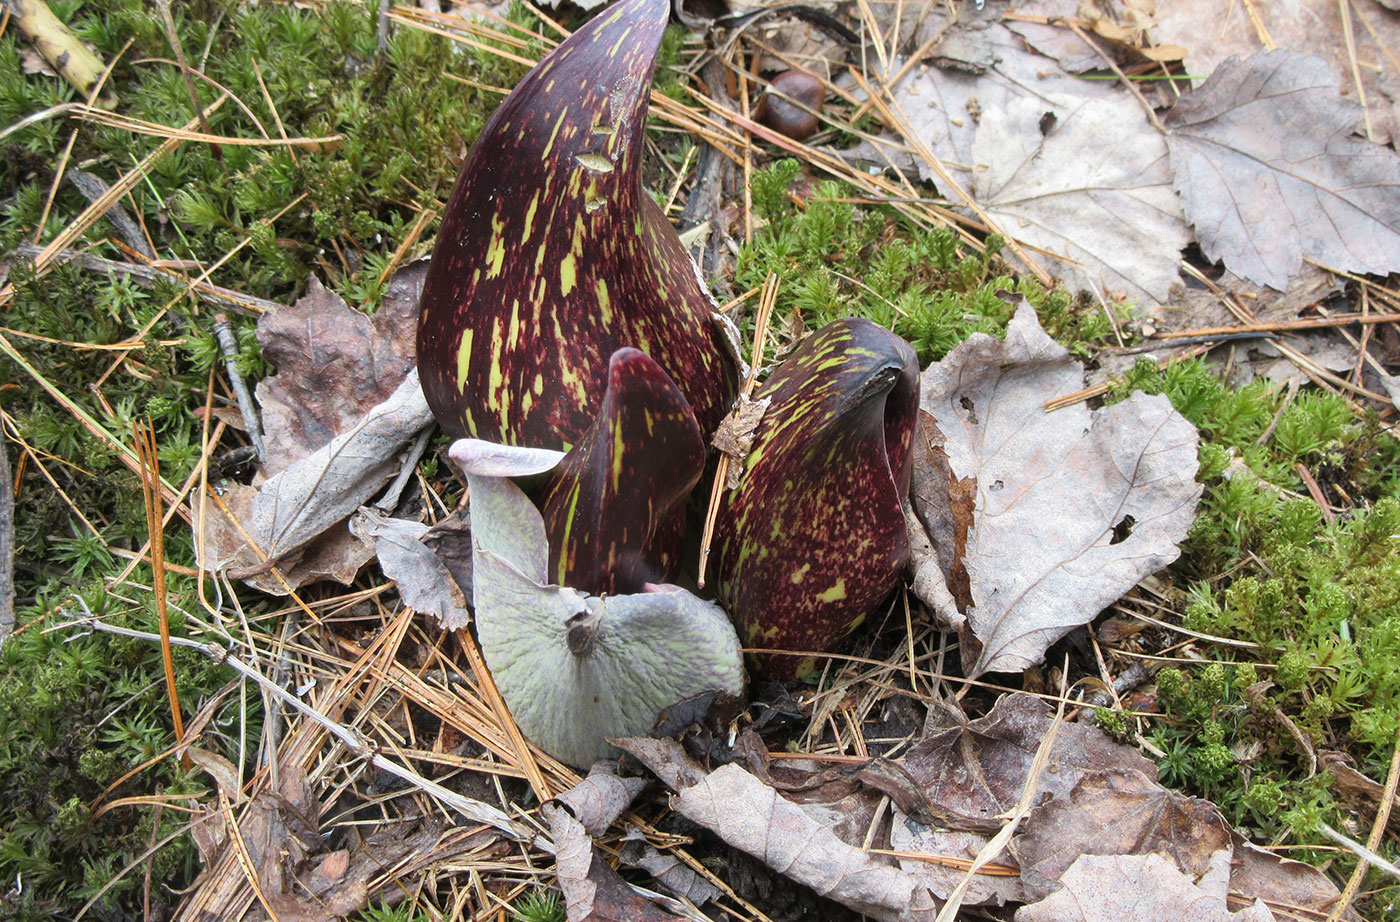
(1212, 31)
(333, 363)
(1143, 888)
(1092, 186)
(1269, 173)
(1073, 507)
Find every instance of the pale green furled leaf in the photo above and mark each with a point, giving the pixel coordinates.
(576, 670)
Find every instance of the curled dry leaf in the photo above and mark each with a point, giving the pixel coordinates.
(593, 890)
(296, 518)
(426, 584)
(1144, 888)
(1072, 507)
(1270, 174)
(336, 415)
(792, 838)
(674, 877)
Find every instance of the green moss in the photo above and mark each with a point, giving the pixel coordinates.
(837, 259)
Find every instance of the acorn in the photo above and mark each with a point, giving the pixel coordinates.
(784, 117)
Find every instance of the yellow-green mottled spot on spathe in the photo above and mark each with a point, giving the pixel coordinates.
(568, 274)
(835, 594)
(617, 459)
(496, 249)
(464, 360)
(530, 221)
(604, 308)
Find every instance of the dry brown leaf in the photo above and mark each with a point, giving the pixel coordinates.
(297, 517)
(734, 437)
(1143, 888)
(1056, 492)
(1114, 24)
(973, 772)
(673, 876)
(425, 583)
(945, 103)
(1199, 307)
(1212, 31)
(333, 364)
(1093, 187)
(1066, 164)
(795, 839)
(1117, 812)
(955, 849)
(1269, 172)
(1289, 885)
(598, 799)
(593, 890)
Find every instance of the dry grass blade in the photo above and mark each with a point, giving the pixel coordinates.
(144, 437)
(94, 212)
(760, 334)
(999, 841)
(155, 129)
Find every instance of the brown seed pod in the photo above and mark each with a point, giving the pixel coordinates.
(780, 115)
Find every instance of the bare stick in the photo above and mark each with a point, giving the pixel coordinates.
(146, 276)
(223, 332)
(93, 189)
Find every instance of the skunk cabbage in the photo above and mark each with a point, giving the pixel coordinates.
(561, 312)
(614, 508)
(813, 537)
(551, 256)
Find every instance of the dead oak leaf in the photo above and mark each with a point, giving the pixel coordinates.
(333, 363)
(1269, 173)
(1144, 888)
(1073, 508)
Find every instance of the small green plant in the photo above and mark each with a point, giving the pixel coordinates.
(539, 906)
(1320, 602)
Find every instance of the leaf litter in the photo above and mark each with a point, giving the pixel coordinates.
(1078, 168)
(1269, 173)
(1100, 810)
(1071, 508)
(344, 403)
